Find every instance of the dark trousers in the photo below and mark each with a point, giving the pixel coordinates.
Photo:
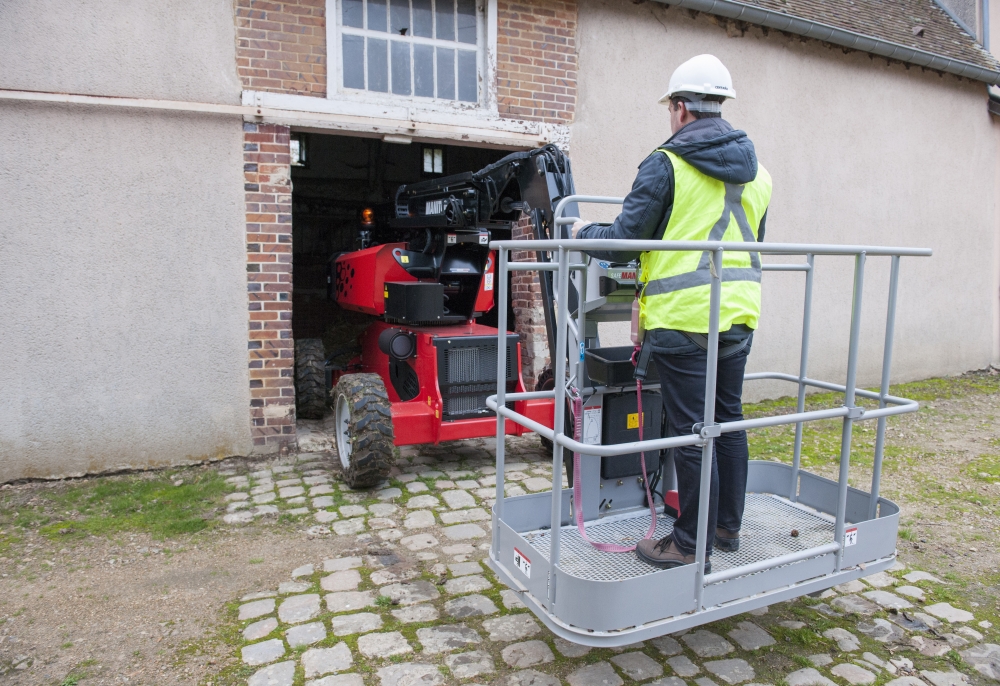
(681, 365)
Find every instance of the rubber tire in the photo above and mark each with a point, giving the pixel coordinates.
(310, 378)
(369, 429)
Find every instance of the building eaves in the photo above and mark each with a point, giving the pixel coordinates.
(913, 31)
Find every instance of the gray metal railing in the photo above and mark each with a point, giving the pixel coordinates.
(565, 360)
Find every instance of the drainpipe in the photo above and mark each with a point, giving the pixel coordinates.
(753, 14)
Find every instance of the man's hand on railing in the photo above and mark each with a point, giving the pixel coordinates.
(579, 224)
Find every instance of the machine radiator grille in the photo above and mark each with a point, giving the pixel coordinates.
(467, 373)
(471, 365)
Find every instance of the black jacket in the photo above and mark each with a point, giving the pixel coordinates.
(712, 147)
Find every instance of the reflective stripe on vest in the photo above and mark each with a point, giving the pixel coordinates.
(676, 295)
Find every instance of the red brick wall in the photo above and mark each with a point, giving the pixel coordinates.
(281, 46)
(536, 60)
(268, 192)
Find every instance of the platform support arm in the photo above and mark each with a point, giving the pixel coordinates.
(800, 405)
(558, 355)
(711, 373)
(849, 402)
(890, 330)
(500, 286)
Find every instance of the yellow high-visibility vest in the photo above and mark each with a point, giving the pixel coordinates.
(677, 284)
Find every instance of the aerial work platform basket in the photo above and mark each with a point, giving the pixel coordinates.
(801, 533)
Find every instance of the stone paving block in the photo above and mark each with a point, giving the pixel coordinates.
(305, 634)
(238, 517)
(410, 674)
(853, 603)
(463, 532)
(262, 510)
(907, 681)
(350, 526)
(465, 568)
(467, 584)
(749, 636)
(304, 570)
(383, 645)
(511, 600)
(732, 671)
(882, 631)
(706, 644)
(444, 485)
(388, 494)
(262, 653)
(876, 661)
(820, 659)
(349, 679)
(261, 490)
(853, 674)
(298, 511)
(458, 499)
(570, 649)
(419, 519)
(951, 678)
(511, 491)
(511, 627)
(358, 623)
(931, 622)
(846, 641)
(236, 497)
(384, 576)
(390, 534)
(286, 587)
(470, 606)
(530, 677)
(667, 645)
(418, 542)
(299, 608)
(325, 516)
(890, 601)
(466, 665)
(638, 666)
(807, 677)
(485, 493)
(446, 638)
(985, 658)
(258, 630)
(412, 592)
(281, 674)
(320, 661)
(422, 501)
(458, 549)
(705, 681)
(879, 580)
(537, 483)
(341, 563)
(683, 666)
(597, 674)
(381, 523)
(929, 647)
(416, 487)
(852, 586)
(290, 491)
(949, 613)
(474, 514)
(968, 633)
(346, 580)
(675, 681)
(911, 592)
(795, 626)
(467, 484)
(383, 509)
(263, 498)
(914, 577)
(258, 608)
(416, 613)
(527, 654)
(316, 480)
(353, 510)
(322, 489)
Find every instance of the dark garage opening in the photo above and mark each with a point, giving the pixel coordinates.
(339, 180)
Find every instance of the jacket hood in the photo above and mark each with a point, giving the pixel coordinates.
(715, 148)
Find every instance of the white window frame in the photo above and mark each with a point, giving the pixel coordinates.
(486, 47)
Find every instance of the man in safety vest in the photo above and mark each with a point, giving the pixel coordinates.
(703, 184)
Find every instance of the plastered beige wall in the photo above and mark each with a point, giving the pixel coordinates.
(860, 152)
(123, 292)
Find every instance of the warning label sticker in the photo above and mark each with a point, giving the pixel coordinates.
(488, 282)
(592, 425)
(522, 563)
(851, 536)
(632, 421)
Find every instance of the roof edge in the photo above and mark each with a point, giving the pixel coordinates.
(831, 34)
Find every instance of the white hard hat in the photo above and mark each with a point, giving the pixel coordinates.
(700, 76)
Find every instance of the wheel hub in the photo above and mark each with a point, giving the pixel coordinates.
(342, 417)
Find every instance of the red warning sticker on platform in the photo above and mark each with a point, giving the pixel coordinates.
(851, 536)
(522, 563)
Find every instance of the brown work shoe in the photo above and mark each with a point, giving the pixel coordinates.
(665, 553)
(727, 541)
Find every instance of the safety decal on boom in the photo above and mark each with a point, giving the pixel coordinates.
(851, 536)
(522, 563)
(488, 282)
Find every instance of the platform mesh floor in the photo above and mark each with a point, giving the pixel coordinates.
(767, 524)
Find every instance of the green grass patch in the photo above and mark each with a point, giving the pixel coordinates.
(147, 503)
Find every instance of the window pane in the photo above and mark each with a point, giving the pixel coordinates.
(354, 61)
(467, 77)
(376, 15)
(445, 11)
(445, 72)
(423, 21)
(378, 65)
(400, 68)
(467, 22)
(399, 17)
(354, 13)
(423, 71)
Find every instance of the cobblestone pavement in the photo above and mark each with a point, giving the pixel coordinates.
(412, 602)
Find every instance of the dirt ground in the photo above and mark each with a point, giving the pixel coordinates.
(131, 608)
